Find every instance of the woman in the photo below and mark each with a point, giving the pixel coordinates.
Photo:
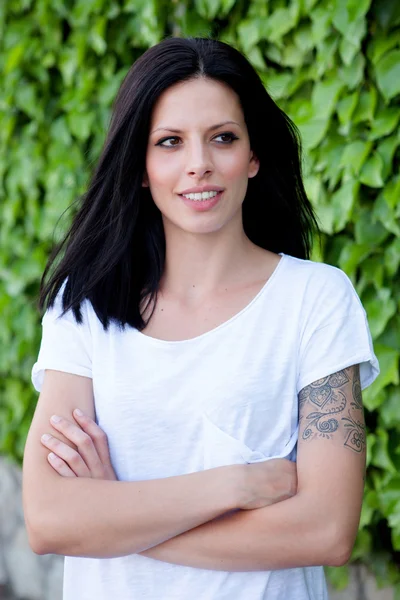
(187, 324)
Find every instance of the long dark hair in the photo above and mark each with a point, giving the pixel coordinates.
(115, 248)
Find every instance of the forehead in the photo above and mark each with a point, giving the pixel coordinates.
(195, 103)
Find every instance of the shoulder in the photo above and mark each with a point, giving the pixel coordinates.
(318, 279)
(56, 310)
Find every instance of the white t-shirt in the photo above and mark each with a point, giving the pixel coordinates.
(227, 396)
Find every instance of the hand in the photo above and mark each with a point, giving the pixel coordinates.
(268, 482)
(91, 458)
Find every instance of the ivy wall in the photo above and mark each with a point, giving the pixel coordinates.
(333, 65)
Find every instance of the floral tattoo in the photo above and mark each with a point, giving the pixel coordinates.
(332, 405)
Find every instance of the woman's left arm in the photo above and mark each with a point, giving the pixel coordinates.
(319, 524)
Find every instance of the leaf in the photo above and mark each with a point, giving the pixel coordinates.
(392, 192)
(381, 456)
(389, 413)
(371, 173)
(354, 155)
(321, 19)
(250, 33)
(346, 107)
(383, 212)
(368, 232)
(389, 373)
(343, 202)
(350, 43)
(389, 496)
(324, 97)
(352, 255)
(14, 58)
(80, 124)
(280, 22)
(384, 122)
(388, 74)
(381, 43)
(380, 310)
(366, 106)
(353, 74)
(386, 150)
(392, 257)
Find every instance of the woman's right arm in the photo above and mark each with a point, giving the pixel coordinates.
(97, 518)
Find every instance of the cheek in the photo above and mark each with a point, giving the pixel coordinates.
(161, 169)
(234, 166)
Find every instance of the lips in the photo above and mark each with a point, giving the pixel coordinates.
(202, 188)
(202, 205)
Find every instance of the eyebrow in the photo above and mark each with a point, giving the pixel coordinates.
(212, 128)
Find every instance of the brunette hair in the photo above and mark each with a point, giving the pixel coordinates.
(114, 250)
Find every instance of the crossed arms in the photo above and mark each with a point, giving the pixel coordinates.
(317, 526)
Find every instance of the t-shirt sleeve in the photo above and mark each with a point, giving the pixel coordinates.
(65, 344)
(335, 334)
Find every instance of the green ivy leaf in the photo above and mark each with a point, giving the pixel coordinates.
(371, 173)
(380, 310)
(346, 107)
(389, 414)
(386, 150)
(392, 257)
(352, 255)
(343, 202)
(354, 156)
(385, 122)
(366, 106)
(384, 212)
(388, 74)
(381, 455)
(392, 192)
(389, 373)
(280, 22)
(353, 74)
(381, 43)
(351, 42)
(321, 18)
(367, 231)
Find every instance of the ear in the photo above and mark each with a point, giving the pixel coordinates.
(254, 165)
(145, 180)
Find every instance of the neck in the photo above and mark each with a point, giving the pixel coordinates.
(198, 265)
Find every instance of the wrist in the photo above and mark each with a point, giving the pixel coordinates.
(237, 489)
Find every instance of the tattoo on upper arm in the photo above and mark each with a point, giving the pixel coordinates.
(334, 404)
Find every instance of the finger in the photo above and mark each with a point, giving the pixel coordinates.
(82, 441)
(98, 436)
(67, 454)
(59, 465)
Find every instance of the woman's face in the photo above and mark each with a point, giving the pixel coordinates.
(198, 139)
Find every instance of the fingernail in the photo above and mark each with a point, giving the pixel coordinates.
(55, 419)
(78, 412)
(52, 456)
(46, 437)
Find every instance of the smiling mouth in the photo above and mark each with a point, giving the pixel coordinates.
(199, 197)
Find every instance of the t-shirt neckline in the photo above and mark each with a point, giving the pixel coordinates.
(226, 323)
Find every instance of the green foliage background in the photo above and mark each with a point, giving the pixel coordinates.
(332, 65)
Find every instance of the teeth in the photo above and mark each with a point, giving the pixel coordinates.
(202, 196)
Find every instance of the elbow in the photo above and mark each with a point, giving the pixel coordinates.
(340, 550)
(37, 541)
(39, 537)
(340, 556)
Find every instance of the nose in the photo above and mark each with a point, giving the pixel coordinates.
(199, 161)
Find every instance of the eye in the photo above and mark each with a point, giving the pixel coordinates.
(228, 134)
(167, 139)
